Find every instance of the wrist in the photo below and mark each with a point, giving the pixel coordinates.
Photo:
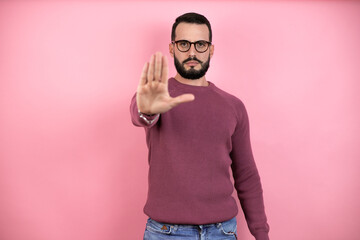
(148, 118)
(147, 114)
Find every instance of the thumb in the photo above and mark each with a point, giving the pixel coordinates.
(183, 99)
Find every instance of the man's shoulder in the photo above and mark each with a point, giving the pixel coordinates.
(229, 97)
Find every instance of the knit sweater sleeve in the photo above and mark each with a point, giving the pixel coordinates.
(246, 177)
(141, 121)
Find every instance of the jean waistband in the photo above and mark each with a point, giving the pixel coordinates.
(189, 226)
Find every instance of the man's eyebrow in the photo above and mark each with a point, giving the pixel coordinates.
(191, 41)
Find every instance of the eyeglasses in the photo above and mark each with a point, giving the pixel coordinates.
(184, 45)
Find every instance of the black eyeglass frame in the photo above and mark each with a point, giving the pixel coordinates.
(176, 43)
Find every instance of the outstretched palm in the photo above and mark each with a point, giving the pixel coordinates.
(152, 94)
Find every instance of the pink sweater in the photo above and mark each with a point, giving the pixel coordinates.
(192, 147)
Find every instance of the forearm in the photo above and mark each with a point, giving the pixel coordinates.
(250, 194)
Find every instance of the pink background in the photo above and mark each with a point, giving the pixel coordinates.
(73, 167)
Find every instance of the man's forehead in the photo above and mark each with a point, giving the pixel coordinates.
(192, 32)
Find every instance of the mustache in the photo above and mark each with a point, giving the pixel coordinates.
(192, 59)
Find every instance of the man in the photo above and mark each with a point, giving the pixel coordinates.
(195, 132)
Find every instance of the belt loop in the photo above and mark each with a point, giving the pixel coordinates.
(176, 227)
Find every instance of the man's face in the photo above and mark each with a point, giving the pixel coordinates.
(191, 64)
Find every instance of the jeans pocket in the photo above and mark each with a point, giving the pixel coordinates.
(156, 227)
(229, 228)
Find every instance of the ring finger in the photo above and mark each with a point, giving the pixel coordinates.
(150, 73)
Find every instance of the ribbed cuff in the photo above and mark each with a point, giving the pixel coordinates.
(262, 236)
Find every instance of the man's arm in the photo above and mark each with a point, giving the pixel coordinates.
(247, 179)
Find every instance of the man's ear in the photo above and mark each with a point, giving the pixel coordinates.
(212, 47)
(171, 49)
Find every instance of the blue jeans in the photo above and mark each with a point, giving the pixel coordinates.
(217, 231)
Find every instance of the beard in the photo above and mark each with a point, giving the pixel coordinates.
(191, 73)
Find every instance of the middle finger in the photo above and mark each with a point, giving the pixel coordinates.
(158, 66)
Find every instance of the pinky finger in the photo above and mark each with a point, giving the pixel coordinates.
(143, 79)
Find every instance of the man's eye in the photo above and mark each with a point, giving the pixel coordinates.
(183, 44)
(201, 44)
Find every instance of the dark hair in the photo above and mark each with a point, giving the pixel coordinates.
(191, 18)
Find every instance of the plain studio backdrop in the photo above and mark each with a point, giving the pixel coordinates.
(72, 166)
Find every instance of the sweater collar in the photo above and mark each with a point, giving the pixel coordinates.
(178, 84)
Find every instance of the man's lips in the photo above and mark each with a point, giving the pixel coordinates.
(192, 63)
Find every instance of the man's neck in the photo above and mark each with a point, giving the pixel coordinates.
(194, 82)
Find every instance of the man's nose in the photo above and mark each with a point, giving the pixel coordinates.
(192, 50)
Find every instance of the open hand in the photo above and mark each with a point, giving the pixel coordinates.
(152, 93)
